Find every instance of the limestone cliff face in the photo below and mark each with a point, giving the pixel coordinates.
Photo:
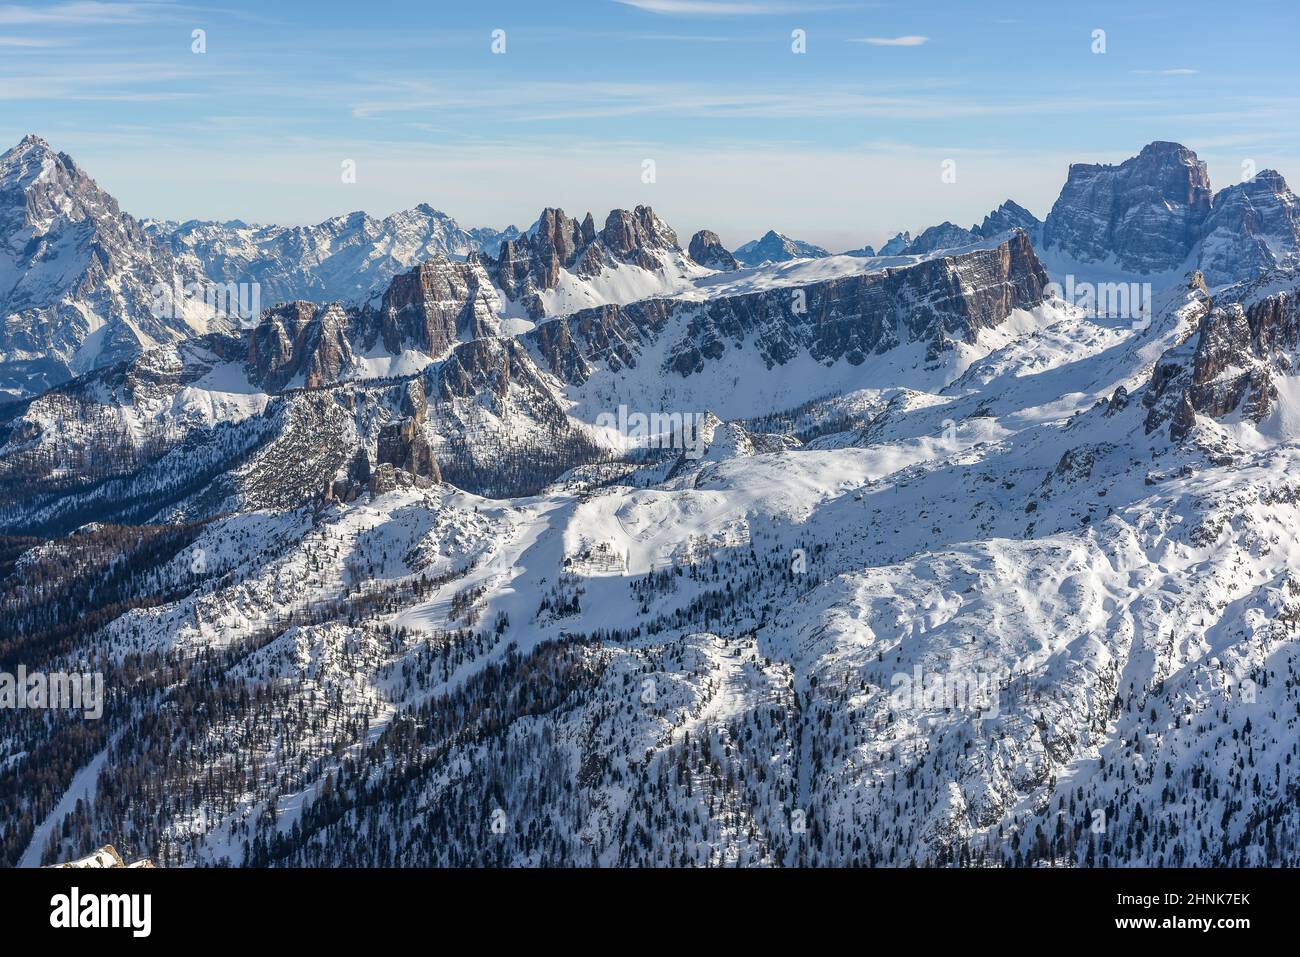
(402, 442)
(530, 265)
(635, 236)
(435, 305)
(301, 344)
(1146, 213)
(403, 445)
(935, 302)
(1252, 228)
(1231, 365)
(427, 310)
(707, 250)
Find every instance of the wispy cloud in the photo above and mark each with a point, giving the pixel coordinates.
(550, 102)
(715, 8)
(137, 81)
(87, 11)
(26, 42)
(911, 41)
(683, 38)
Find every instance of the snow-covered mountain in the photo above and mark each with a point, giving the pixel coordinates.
(601, 551)
(77, 275)
(561, 264)
(897, 245)
(1144, 214)
(497, 393)
(774, 247)
(1252, 227)
(80, 280)
(348, 258)
(1010, 215)
(1156, 213)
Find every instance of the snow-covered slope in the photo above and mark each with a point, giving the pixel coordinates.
(923, 566)
(507, 411)
(77, 275)
(1004, 622)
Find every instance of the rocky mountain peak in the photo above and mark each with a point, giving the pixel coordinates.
(707, 250)
(777, 247)
(41, 182)
(1010, 215)
(1238, 361)
(1253, 226)
(24, 162)
(629, 233)
(944, 236)
(79, 266)
(896, 246)
(436, 304)
(532, 264)
(1144, 214)
(298, 343)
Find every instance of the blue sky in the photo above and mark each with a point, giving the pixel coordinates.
(841, 145)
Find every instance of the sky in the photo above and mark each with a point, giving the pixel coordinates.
(571, 102)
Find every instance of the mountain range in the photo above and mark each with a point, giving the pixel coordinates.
(578, 545)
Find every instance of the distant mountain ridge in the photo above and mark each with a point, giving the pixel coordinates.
(76, 276)
(347, 258)
(776, 247)
(1010, 215)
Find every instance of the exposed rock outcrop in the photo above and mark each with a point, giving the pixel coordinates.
(1231, 365)
(944, 236)
(777, 248)
(631, 236)
(301, 344)
(935, 301)
(1007, 217)
(437, 304)
(707, 250)
(1252, 227)
(403, 445)
(532, 264)
(1010, 215)
(1144, 214)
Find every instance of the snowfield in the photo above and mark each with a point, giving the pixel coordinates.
(727, 646)
(964, 574)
